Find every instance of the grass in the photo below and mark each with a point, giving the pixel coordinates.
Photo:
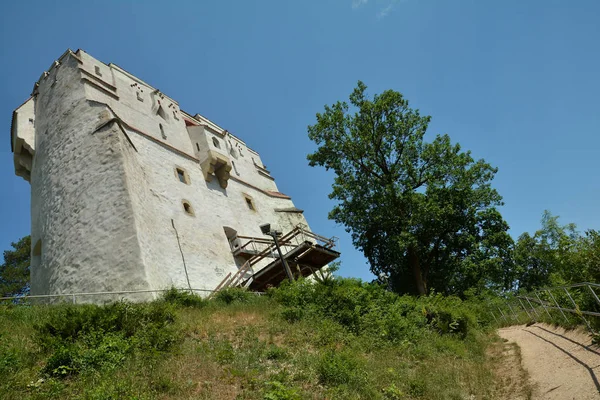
(341, 340)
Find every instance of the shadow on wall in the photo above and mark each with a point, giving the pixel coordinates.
(214, 186)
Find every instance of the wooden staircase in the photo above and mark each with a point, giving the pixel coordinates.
(304, 251)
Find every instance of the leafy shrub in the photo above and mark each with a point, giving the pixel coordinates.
(234, 295)
(278, 391)
(338, 368)
(369, 309)
(183, 298)
(90, 337)
(292, 314)
(9, 360)
(417, 387)
(392, 392)
(274, 352)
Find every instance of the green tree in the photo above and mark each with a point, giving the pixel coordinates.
(14, 272)
(549, 256)
(423, 213)
(557, 254)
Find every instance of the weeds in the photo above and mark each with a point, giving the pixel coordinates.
(339, 339)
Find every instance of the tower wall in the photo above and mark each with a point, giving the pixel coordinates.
(83, 232)
(129, 192)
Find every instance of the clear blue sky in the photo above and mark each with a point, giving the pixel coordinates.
(517, 82)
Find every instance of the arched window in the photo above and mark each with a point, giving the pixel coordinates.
(187, 207)
(216, 142)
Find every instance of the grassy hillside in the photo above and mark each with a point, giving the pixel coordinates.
(337, 340)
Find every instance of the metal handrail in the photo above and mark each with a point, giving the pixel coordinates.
(73, 296)
(534, 298)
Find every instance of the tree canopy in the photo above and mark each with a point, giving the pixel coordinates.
(423, 213)
(14, 271)
(556, 255)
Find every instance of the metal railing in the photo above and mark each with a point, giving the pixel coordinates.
(581, 300)
(110, 296)
(295, 237)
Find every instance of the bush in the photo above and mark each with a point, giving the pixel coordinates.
(89, 337)
(368, 309)
(183, 298)
(338, 368)
(234, 295)
(278, 391)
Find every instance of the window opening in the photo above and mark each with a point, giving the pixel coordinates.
(97, 69)
(181, 175)
(216, 143)
(231, 234)
(162, 131)
(187, 207)
(161, 112)
(198, 146)
(250, 203)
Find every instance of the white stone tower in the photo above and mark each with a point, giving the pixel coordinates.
(130, 193)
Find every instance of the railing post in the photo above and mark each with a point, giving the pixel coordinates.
(542, 303)
(524, 308)
(511, 310)
(495, 319)
(577, 308)
(557, 305)
(532, 307)
(502, 314)
(593, 293)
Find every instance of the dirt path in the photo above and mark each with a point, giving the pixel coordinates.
(562, 365)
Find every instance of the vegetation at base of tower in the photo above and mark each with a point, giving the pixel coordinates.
(423, 213)
(14, 271)
(346, 340)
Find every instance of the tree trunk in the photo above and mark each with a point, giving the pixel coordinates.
(413, 261)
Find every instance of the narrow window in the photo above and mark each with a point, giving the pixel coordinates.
(187, 207)
(182, 175)
(216, 143)
(249, 203)
(198, 146)
(97, 69)
(162, 131)
(161, 112)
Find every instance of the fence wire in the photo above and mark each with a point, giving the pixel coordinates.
(84, 297)
(580, 301)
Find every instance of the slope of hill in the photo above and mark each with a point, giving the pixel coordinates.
(340, 339)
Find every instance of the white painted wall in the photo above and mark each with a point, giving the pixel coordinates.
(107, 203)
